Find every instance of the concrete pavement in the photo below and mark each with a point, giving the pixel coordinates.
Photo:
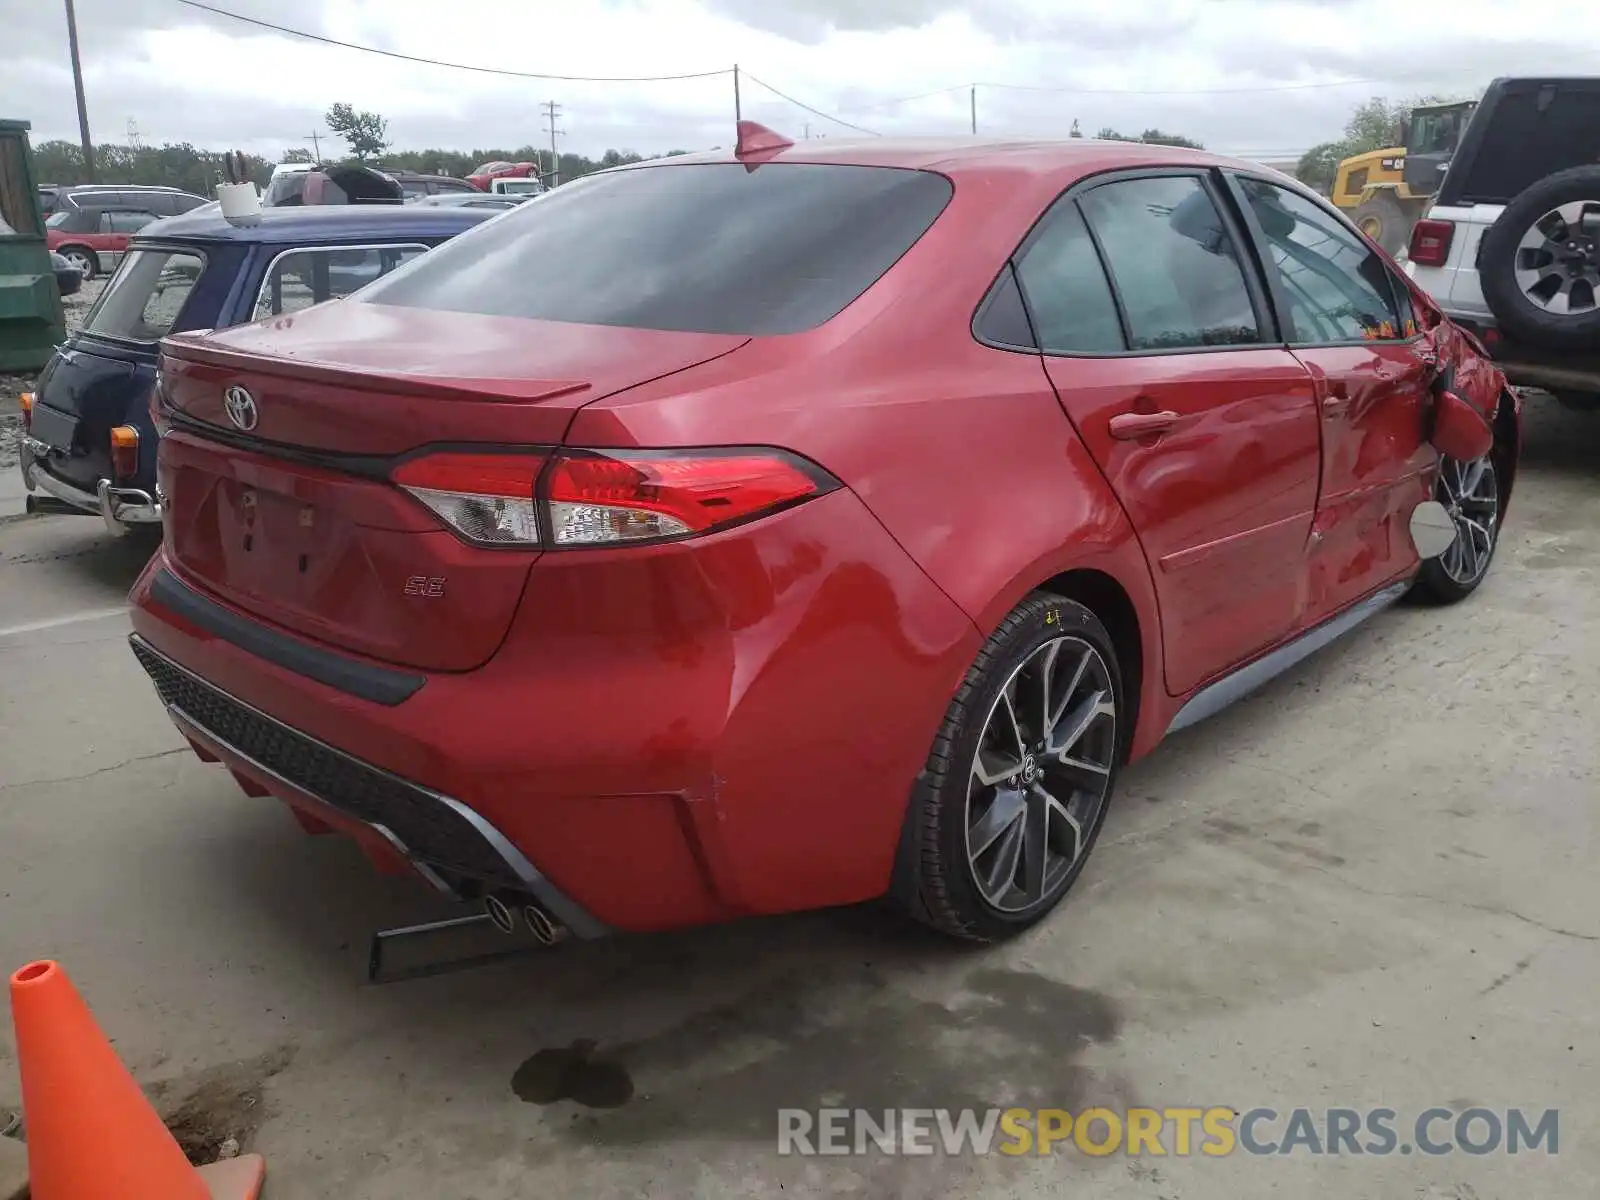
(1370, 884)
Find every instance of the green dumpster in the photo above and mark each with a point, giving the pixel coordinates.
(31, 321)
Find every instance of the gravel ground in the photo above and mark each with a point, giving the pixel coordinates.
(12, 386)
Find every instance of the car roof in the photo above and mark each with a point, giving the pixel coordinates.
(318, 223)
(954, 155)
(126, 187)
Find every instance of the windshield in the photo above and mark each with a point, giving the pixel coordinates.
(519, 186)
(1435, 132)
(709, 248)
(146, 295)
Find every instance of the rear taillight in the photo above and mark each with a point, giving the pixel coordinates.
(596, 497)
(1430, 242)
(606, 497)
(486, 498)
(124, 453)
(25, 401)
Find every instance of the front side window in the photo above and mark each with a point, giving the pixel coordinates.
(71, 220)
(145, 297)
(1173, 262)
(300, 278)
(703, 248)
(1336, 286)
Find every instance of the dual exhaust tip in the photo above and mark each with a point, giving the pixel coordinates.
(545, 928)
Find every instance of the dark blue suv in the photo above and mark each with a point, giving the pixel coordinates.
(89, 442)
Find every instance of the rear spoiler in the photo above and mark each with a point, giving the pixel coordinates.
(192, 348)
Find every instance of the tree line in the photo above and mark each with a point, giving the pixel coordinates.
(1374, 125)
(182, 165)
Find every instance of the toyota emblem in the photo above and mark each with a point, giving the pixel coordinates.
(241, 407)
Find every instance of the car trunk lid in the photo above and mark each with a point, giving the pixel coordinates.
(283, 507)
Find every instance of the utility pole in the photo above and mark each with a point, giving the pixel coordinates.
(972, 96)
(552, 110)
(316, 148)
(77, 84)
(738, 111)
(806, 128)
(133, 135)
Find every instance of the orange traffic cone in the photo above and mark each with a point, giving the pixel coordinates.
(91, 1132)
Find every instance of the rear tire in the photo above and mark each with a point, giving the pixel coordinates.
(1539, 255)
(84, 260)
(1013, 796)
(1383, 218)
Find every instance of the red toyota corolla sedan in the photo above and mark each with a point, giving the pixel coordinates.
(743, 533)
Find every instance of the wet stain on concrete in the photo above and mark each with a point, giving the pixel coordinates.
(572, 1073)
(215, 1113)
(847, 1039)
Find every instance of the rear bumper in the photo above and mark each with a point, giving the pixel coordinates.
(428, 829)
(119, 507)
(668, 735)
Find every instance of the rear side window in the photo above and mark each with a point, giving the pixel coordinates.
(301, 278)
(715, 248)
(1066, 288)
(146, 296)
(1174, 264)
(74, 220)
(127, 222)
(1337, 287)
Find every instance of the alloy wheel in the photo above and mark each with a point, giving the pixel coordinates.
(80, 261)
(1471, 493)
(1557, 264)
(1041, 775)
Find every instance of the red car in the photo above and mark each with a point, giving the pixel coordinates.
(483, 177)
(94, 239)
(743, 533)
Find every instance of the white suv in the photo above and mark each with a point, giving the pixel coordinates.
(1510, 247)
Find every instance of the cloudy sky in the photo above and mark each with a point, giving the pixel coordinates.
(1263, 78)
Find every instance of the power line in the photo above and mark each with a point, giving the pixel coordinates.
(816, 112)
(876, 104)
(433, 62)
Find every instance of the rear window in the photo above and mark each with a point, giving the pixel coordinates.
(714, 248)
(300, 278)
(146, 295)
(1524, 130)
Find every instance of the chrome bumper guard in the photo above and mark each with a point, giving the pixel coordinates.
(118, 507)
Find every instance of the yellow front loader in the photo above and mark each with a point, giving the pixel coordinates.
(1385, 191)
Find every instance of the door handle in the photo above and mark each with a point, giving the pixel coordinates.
(1131, 426)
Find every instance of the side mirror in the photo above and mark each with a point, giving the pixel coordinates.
(1460, 431)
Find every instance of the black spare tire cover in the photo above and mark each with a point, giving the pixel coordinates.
(1539, 265)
